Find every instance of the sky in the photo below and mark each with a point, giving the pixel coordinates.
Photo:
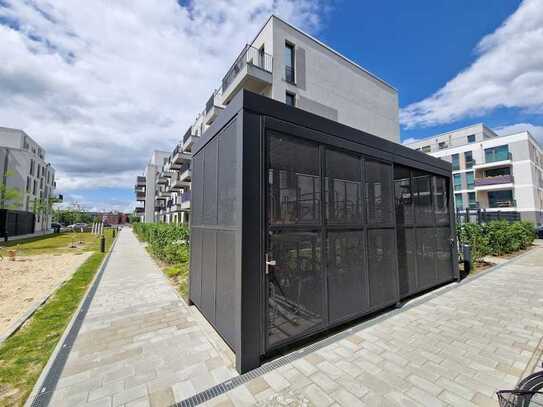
(101, 84)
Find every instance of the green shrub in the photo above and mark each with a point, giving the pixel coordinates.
(496, 238)
(167, 242)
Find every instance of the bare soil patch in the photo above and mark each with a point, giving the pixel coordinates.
(29, 279)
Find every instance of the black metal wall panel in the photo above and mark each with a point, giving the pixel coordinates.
(383, 282)
(210, 209)
(209, 272)
(196, 265)
(407, 265)
(197, 189)
(229, 198)
(226, 285)
(443, 254)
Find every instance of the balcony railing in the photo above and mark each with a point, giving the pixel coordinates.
(186, 196)
(184, 167)
(140, 181)
(500, 179)
(503, 204)
(249, 55)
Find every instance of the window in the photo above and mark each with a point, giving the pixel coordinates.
(468, 158)
(27, 184)
(471, 200)
(32, 167)
(426, 149)
(289, 62)
(290, 99)
(455, 162)
(442, 145)
(457, 181)
(458, 201)
(500, 199)
(34, 187)
(500, 153)
(496, 172)
(471, 138)
(470, 180)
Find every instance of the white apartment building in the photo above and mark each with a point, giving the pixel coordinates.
(23, 167)
(288, 65)
(492, 172)
(147, 187)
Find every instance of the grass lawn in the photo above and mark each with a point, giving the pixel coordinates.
(54, 244)
(23, 356)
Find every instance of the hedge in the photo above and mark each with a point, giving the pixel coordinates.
(496, 238)
(167, 242)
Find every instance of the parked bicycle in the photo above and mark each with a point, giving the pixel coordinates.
(528, 393)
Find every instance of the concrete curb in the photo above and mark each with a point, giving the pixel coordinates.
(36, 397)
(14, 327)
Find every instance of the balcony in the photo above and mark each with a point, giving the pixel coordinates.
(185, 200)
(176, 183)
(213, 108)
(139, 210)
(505, 181)
(140, 195)
(178, 157)
(498, 160)
(185, 173)
(140, 181)
(188, 140)
(252, 70)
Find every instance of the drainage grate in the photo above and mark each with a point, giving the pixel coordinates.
(43, 398)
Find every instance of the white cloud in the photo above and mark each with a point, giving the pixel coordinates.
(508, 72)
(536, 131)
(409, 140)
(101, 84)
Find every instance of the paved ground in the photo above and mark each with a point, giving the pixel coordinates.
(456, 349)
(139, 344)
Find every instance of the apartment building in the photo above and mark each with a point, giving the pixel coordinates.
(288, 65)
(492, 172)
(149, 202)
(23, 167)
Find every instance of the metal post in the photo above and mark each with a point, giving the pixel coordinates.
(102, 244)
(114, 230)
(466, 254)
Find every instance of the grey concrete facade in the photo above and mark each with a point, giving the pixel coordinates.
(24, 167)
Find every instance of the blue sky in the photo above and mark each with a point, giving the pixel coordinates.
(101, 84)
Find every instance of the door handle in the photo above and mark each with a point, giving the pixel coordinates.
(269, 263)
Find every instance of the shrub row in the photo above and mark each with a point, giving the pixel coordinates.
(167, 242)
(496, 238)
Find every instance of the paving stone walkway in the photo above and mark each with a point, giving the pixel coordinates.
(455, 349)
(140, 344)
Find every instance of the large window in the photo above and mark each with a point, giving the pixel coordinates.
(470, 180)
(468, 158)
(458, 201)
(457, 181)
(289, 62)
(471, 200)
(290, 99)
(471, 138)
(500, 199)
(500, 153)
(455, 162)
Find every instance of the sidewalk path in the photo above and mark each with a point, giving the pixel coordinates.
(456, 349)
(139, 344)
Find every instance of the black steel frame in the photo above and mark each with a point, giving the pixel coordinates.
(251, 116)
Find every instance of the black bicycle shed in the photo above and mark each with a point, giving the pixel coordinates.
(300, 224)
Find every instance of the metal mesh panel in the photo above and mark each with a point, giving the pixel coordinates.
(295, 284)
(425, 257)
(407, 270)
(381, 267)
(197, 188)
(196, 265)
(209, 272)
(343, 188)
(293, 181)
(379, 193)
(443, 254)
(424, 212)
(346, 273)
(441, 201)
(226, 284)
